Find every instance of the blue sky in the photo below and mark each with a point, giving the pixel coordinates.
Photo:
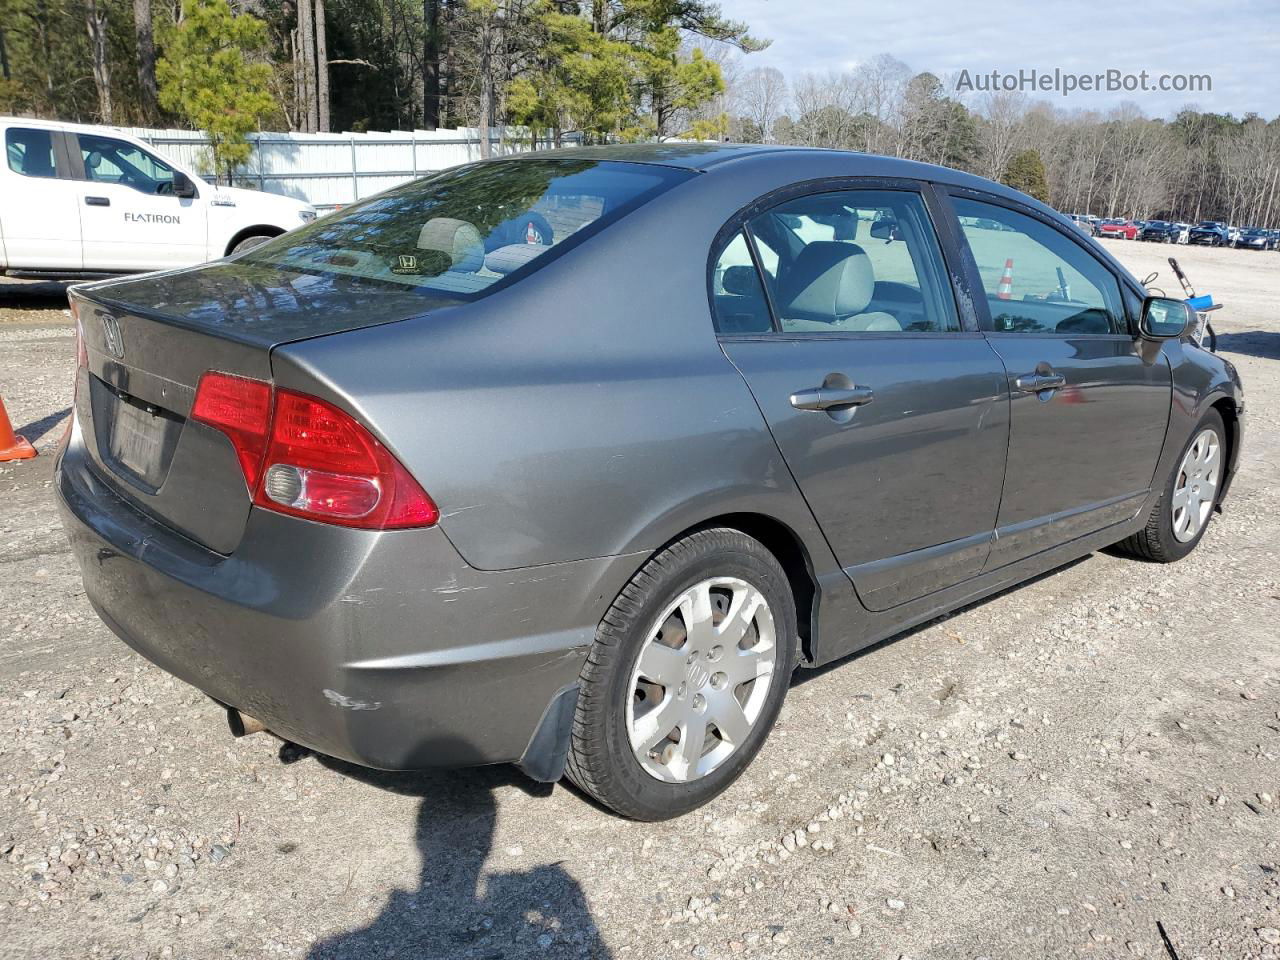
(1236, 42)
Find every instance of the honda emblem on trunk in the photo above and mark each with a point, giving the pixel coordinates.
(111, 333)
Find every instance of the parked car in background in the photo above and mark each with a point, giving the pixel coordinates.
(569, 459)
(1160, 231)
(1087, 223)
(1253, 238)
(1121, 229)
(79, 201)
(1184, 232)
(1211, 233)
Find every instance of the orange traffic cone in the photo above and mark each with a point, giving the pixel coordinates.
(1005, 290)
(12, 447)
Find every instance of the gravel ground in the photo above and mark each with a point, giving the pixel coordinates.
(1086, 766)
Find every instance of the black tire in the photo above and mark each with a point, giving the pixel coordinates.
(1156, 541)
(601, 761)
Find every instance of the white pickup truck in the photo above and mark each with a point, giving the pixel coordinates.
(79, 201)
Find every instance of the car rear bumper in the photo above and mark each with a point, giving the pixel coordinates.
(384, 649)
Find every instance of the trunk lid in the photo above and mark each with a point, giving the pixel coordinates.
(148, 341)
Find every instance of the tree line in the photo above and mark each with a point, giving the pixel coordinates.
(600, 70)
(1113, 163)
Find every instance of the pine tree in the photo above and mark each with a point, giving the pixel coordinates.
(206, 77)
(1025, 172)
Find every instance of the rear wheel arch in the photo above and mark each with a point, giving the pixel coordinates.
(257, 230)
(787, 548)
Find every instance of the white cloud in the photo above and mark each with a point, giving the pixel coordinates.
(1236, 43)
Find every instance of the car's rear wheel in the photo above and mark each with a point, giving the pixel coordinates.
(686, 676)
(1180, 517)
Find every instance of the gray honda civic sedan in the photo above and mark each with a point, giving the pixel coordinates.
(568, 460)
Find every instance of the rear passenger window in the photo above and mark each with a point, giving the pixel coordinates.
(1036, 279)
(859, 261)
(30, 152)
(736, 293)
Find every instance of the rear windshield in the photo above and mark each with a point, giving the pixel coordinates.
(463, 231)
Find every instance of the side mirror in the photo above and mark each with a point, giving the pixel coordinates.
(183, 187)
(1164, 319)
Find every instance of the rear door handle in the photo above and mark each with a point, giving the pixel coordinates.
(831, 398)
(97, 201)
(1037, 382)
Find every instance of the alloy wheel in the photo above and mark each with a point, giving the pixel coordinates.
(701, 680)
(1196, 487)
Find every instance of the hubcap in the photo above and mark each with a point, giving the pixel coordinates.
(1196, 487)
(701, 680)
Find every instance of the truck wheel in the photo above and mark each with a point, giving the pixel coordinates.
(249, 242)
(686, 676)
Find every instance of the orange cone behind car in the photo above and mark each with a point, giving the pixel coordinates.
(12, 447)
(1005, 290)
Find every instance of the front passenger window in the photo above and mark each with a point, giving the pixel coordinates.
(114, 161)
(1036, 279)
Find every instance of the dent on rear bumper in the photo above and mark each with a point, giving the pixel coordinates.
(372, 647)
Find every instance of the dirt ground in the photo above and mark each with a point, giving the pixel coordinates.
(1086, 766)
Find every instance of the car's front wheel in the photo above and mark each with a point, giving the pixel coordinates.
(1180, 517)
(686, 676)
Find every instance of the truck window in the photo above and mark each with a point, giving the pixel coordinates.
(30, 152)
(117, 161)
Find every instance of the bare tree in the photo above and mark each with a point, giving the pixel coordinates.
(1002, 133)
(95, 18)
(760, 97)
(431, 64)
(308, 108)
(146, 49)
(322, 69)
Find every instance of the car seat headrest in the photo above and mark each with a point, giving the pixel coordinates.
(829, 279)
(456, 239)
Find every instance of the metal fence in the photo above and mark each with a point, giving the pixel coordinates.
(328, 169)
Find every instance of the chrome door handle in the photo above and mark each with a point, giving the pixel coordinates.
(830, 398)
(1036, 382)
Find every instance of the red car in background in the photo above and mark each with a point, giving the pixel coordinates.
(1125, 229)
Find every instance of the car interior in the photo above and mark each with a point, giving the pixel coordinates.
(115, 161)
(836, 263)
(388, 239)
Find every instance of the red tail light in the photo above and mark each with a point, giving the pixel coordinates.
(305, 457)
(240, 408)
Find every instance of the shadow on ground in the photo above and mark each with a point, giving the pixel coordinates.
(34, 295)
(36, 429)
(1253, 343)
(459, 909)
